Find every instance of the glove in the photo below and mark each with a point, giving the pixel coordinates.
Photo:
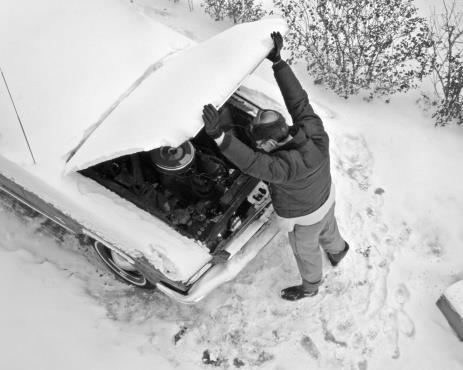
(274, 55)
(211, 118)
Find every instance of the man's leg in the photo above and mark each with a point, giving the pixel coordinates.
(304, 243)
(331, 240)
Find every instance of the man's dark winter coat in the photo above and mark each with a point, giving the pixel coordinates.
(298, 173)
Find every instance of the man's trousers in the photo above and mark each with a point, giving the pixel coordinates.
(306, 240)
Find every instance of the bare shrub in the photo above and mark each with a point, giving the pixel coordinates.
(353, 45)
(447, 67)
(236, 10)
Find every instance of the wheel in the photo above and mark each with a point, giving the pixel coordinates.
(121, 266)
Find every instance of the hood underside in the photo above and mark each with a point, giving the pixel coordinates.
(165, 106)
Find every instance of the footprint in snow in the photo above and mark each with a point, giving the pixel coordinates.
(310, 347)
(353, 158)
(404, 322)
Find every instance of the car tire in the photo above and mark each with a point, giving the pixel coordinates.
(118, 264)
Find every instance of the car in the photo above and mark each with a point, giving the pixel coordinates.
(101, 132)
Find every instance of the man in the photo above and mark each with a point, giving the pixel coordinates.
(295, 162)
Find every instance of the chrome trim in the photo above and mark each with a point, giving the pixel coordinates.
(36, 210)
(135, 278)
(264, 210)
(199, 273)
(221, 273)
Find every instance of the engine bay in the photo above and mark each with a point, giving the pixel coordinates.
(193, 187)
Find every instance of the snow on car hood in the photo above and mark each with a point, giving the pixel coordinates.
(165, 108)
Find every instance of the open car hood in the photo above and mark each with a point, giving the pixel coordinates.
(165, 106)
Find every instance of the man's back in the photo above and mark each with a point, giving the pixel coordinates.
(298, 172)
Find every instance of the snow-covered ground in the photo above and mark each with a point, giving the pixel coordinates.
(399, 204)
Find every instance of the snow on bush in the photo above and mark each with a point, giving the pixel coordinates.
(350, 45)
(447, 67)
(236, 10)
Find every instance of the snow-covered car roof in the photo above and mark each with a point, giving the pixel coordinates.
(67, 62)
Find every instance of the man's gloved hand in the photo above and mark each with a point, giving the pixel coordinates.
(211, 118)
(274, 55)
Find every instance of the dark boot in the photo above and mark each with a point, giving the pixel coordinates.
(293, 293)
(336, 258)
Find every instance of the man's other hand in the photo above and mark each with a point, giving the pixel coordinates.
(274, 55)
(211, 118)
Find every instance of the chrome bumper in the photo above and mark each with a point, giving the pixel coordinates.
(221, 273)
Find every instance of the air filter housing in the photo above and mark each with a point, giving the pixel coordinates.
(171, 160)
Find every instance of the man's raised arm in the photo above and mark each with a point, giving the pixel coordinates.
(295, 97)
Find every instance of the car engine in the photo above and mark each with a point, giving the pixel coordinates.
(193, 188)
